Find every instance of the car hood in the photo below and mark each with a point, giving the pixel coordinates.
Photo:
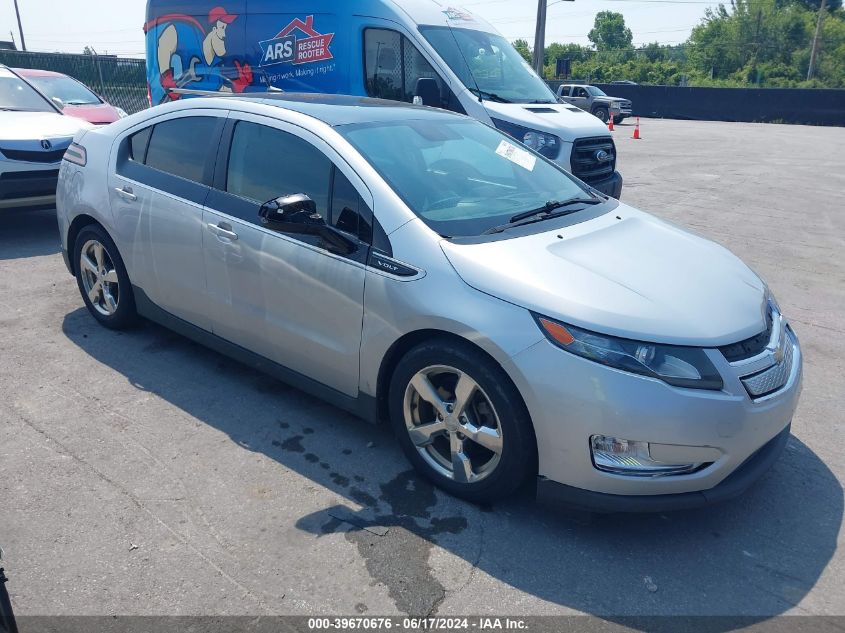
(31, 126)
(563, 120)
(626, 274)
(610, 99)
(98, 114)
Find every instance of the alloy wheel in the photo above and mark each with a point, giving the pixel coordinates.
(99, 277)
(453, 424)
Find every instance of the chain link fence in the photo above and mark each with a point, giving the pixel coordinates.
(120, 81)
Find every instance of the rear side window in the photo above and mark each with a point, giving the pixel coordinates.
(393, 66)
(138, 143)
(265, 163)
(182, 146)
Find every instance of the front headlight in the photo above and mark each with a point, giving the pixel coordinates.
(679, 366)
(541, 142)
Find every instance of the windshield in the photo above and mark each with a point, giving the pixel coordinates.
(596, 92)
(66, 90)
(487, 63)
(16, 94)
(460, 176)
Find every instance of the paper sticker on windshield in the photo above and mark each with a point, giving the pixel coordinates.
(514, 154)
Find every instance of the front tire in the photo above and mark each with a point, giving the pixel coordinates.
(618, 119)
(461, 422)
(602, 114)
(102, 279)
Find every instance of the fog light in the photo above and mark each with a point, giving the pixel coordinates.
(628, 457)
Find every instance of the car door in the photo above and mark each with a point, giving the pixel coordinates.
(566, 94)
(157, 189)
(290, 297)
(580, 98)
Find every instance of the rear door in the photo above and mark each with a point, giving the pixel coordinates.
(289, 297)
(157, 189)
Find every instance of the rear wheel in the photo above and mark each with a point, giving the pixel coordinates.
(602, 114)
(102, 279)
(461, 422)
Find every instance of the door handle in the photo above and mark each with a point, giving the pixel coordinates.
(126, 193)
(224, 230)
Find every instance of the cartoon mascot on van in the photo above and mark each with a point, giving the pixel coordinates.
(189, 55)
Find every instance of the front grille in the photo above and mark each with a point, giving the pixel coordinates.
(751, 347)
(773, 378)
(585, 162)
(28, 184)
(53, 156)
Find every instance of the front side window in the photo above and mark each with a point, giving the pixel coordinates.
(181, 146)
(17, 95)
(266, 163)
(65, 90)
(581, 92)
(393, 65)
(459, 176)
(488, 65)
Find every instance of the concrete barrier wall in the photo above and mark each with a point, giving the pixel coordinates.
(770, 105)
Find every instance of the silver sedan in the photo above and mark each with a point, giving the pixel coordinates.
(513, 325)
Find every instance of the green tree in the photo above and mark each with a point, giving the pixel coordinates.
(609, 32)
(521, 46)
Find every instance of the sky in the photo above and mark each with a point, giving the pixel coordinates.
(114, 26)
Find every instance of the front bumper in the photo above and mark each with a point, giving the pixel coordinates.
(610, 186)
(28, 184)
(557, 494)
(570, 399)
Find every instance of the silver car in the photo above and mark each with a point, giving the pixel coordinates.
(418, 267)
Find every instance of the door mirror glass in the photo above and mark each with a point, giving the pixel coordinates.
(289, 212)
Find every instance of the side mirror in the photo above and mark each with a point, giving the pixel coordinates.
(293, 214)
(59, 103)
(427, 93)
(297, 213)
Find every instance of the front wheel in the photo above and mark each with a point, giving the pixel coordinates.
(618, 119)
(461, 422)
(602, 114)
(102, 279)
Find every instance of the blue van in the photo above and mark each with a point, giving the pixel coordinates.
(421, 51)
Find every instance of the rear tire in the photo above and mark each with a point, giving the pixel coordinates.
(102, 279)
(461, 422)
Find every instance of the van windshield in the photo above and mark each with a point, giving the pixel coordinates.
(488, 64)
(461, 177)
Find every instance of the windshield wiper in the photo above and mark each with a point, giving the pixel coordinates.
(546, 212)
(492, 96)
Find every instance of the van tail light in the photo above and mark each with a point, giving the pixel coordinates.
(77, 155)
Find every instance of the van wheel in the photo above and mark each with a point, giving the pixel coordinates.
(461, 422)
(102, 279)
(602, 114)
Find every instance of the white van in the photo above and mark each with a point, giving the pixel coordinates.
(420, 51)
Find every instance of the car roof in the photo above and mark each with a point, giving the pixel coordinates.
(337, 110)
(35, 72)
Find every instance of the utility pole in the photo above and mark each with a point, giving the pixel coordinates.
(811, 71)
(539, 37)
(20, 26)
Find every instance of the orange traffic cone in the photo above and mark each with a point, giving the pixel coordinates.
(610, 124)
(637, 129)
